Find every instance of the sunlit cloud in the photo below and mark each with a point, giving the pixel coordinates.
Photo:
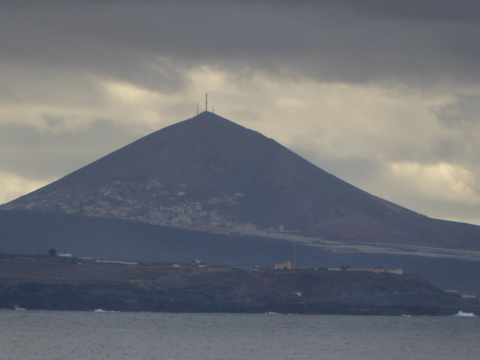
(441, 181)
(13, 186)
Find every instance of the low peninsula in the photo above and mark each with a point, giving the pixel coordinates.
(55, 283)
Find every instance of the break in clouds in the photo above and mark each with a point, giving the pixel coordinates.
(383, 94)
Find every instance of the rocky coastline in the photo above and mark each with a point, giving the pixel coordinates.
(86, 284)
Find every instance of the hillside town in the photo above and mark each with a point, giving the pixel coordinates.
(146, 200)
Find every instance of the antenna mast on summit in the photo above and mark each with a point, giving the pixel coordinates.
(206, 101)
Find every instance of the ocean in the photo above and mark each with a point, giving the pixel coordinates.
(51, 335)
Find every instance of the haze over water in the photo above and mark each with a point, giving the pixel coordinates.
(42, 335)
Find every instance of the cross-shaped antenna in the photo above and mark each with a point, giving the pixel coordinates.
(206, 101)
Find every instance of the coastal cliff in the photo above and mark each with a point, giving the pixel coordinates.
(72, 284)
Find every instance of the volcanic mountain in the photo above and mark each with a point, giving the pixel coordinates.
(210, 174)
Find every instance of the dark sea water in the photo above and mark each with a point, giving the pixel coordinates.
(49, 335)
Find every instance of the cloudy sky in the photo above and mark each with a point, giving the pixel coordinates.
(384, 94)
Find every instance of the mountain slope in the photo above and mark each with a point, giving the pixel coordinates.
(210, 174)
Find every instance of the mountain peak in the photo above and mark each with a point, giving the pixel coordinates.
(206, 125)
(209, 173)
(207, 116)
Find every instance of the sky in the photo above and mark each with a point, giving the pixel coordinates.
(384, 94)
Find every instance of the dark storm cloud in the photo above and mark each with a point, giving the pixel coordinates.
(425, 10)
(344, 40)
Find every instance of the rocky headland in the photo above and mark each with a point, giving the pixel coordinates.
(54, 283)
